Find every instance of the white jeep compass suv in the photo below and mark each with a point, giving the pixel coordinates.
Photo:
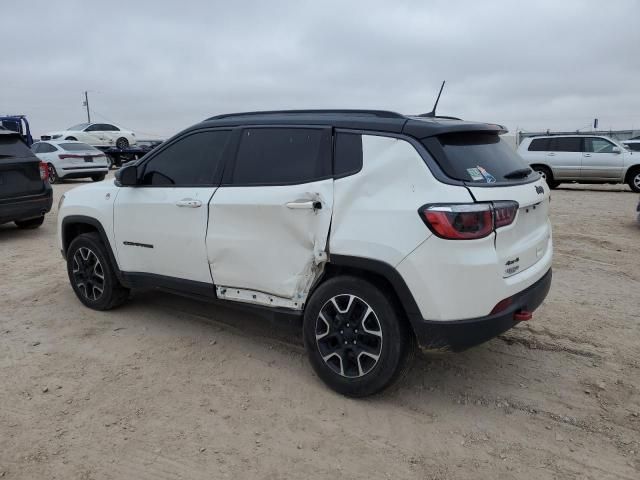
(380, 230)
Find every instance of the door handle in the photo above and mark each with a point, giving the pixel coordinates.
(551, 154)
(587, 154)
(305, 204)
(189, 203)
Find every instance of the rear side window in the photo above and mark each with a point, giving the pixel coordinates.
(347, 155)
(565, 144)
(13, 146)
(477, 157)
(190, 161)
(539, 145)
(281, 156)
(47, 148)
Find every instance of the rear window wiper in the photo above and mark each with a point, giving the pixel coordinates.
(519, 173)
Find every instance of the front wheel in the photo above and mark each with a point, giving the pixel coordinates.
(357, 342)
(92, 275)
(98, 178)
(122, 143)
(634, 180)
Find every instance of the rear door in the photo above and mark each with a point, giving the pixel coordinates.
(269, 220)
(565, 157)
(493, 172)
(19, 168)
(160, 224)
(600, 162)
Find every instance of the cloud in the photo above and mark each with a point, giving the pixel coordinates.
(159, 66)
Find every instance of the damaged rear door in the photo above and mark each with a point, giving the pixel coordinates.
(270, 218)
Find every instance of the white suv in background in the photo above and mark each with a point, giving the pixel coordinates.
(581, 159)
(379, 230)
(68, 159)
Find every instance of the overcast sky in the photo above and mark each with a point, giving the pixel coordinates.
(159, 66)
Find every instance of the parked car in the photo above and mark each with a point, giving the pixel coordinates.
(379, 230)
(581, 159)
(25, 193)
(69, 159)
(633, 145)
(96, 134)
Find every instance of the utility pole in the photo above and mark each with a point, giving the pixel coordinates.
(86, 104)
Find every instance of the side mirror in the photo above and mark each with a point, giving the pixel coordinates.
(127, 176)
(616, 150)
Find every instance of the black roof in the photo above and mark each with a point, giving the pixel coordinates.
(374, 120)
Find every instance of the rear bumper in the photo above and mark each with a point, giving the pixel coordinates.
(459, 335)
(24, 208)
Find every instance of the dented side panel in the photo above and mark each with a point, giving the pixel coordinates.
(376, 210)
(269, 239)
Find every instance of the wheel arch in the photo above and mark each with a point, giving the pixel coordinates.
(632, 169)
(543, 165)
(75, 225)
(381, 274)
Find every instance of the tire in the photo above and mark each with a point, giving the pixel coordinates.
(29, 224)
(72, 138)
(53, 174)
(98, 178)
(329, 319)
(547, 175)
(122, 143)
(87, 259)
(634, 180)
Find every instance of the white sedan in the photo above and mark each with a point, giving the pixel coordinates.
(96, 134)
(70, 159)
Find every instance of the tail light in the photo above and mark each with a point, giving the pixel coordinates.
(44, 171)
(468, 221)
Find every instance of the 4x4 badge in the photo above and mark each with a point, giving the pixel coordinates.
(539, 190)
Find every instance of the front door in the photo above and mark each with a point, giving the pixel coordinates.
(160, 225)
(600, 161)
(269, 220)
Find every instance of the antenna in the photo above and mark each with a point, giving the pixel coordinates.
(432, 113)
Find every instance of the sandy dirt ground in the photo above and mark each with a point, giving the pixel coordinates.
(169, 388)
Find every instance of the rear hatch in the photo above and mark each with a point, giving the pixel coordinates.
(19, 168)
(492, 171)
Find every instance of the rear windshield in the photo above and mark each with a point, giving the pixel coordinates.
(478, 157)
(13, 146)
(76, 147)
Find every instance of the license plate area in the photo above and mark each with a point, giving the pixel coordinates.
(88, 159)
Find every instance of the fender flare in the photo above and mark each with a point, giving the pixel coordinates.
(84, 220)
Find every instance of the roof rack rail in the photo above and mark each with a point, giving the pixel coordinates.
(373, 113)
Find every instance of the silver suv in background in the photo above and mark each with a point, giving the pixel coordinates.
(581, 159)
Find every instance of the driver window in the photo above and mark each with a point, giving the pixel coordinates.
(600, 145)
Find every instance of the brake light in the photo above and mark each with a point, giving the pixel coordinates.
(468, 221)
(504, 213)
(44, 171)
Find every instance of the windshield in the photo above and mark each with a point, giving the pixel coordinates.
(80, 126)
(77, 147)
(478, 157)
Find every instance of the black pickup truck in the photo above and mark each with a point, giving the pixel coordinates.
(25, 193)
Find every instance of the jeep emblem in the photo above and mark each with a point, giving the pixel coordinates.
(539, 190)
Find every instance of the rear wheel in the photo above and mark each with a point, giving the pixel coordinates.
(98, 178)
(71, 138)
(92, 275)
(122, 143)
(356, 341)
(53, 174)
(29, 224)
(634, 180)
(546, 174)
